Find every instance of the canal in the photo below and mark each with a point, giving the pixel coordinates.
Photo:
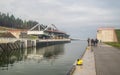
(50, 60)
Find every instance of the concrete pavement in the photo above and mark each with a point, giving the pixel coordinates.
(88, 67)
(107, 60)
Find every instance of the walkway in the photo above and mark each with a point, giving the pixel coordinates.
(107, 60)
(88, 67)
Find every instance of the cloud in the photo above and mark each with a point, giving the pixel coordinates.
(66, 14)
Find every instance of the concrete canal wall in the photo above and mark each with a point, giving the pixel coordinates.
(43, 43)
(20, 44)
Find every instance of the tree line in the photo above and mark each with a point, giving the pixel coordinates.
(7, 20)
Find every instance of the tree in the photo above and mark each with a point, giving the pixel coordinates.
(7, 20)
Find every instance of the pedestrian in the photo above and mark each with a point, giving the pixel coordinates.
(96, 42)
(92, 42)
(88, 41)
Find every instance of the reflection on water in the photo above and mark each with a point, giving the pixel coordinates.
(7, 59)
(50, 60)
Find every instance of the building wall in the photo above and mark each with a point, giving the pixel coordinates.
(106, 35)
(16, 32)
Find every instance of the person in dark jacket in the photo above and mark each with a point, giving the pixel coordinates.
(96, 42)
(88, 41)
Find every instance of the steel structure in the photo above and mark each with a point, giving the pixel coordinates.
(44, 31)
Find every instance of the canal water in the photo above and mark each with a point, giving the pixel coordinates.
(50, 60)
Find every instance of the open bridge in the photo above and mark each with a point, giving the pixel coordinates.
(47, 32)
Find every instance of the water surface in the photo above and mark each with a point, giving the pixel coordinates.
(51, 60)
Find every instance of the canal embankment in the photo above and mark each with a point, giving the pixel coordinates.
(11, 44)
(49, 42)
(99, 60)
(88, 65)
(73, 68)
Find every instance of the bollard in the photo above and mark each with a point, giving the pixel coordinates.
(79, 62)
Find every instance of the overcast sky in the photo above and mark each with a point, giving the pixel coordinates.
(77, 17)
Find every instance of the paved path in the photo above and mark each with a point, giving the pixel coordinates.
(88, 67)
(107, 60)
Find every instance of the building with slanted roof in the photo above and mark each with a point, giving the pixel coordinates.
(47, 32)
(106, 35)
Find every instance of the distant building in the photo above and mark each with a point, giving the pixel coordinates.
(106, 35)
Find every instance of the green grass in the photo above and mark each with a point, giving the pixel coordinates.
(4, 28)
(114, 44)
(118, 34)
(33, 37)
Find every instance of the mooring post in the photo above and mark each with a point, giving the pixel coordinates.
(25, 43)
(34, 43)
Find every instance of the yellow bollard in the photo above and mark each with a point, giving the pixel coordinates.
(79, 62)
(88, 48)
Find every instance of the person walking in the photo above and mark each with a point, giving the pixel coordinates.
(88, 40)
(96, 42)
